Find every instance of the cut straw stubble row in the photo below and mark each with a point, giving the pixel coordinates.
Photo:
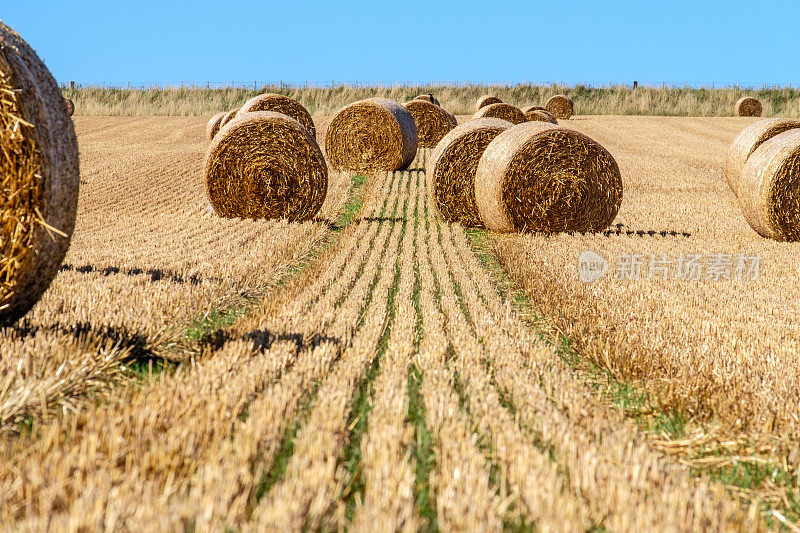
(530, 177)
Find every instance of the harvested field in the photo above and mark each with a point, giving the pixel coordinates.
(389, 382)
(148, 261)
(707, 327)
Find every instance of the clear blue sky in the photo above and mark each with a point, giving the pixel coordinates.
(595, 42)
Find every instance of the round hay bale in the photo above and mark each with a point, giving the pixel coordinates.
(70, 106)
(428, 98)
(40, 177)
(227, 117)
(769, 192)
(746, 143)
(432, 122)
(747, 106)
(541, 116)
(502, 111)
(280, 104)
(534, 108)
(214, 124)
(531, 114)
(451, 169)
(485, 100)
(265, 165)
(371, 135)
(541, 177)
(560, 106)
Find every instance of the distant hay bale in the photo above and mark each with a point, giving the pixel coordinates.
(428, 98)
(371, 135)
(540, 115)
(265, 165)
(280, 104)
(747, 106)
(560, 106)
(502, 111)
(485, 100)
(227, 117)
(530, 108)
(214, 124)
(40, 177)
(746, 143)
(530, 113)
(432, 122)
(769, 192)
(541, 177)
(70, 106)
(451, 169)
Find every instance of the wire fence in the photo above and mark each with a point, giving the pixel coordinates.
(256, 85)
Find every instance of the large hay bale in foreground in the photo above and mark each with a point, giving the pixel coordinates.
(280, 104)
(769, 192)
(39, 177)
(428, 98)
(560, 106)
(747, 106)
(214, 124)
(502, 111)
(451, 169)
(746, 143)
(70, 106)
(265, 165)
(540, 177)
(432, 122)
(485, 100)
(371, 135)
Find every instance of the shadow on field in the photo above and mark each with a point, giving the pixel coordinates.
(617, 230)
(381, 219)
(156, 274)
(139, 346)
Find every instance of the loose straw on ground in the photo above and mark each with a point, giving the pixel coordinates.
(371, 135)
(40, 177)
(541, 177)
(451, 169)
(265, 165)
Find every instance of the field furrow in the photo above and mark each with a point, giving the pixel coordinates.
(308, 490)
(464, 495)
(388, 474)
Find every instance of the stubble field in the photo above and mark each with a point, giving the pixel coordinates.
(377, 366)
